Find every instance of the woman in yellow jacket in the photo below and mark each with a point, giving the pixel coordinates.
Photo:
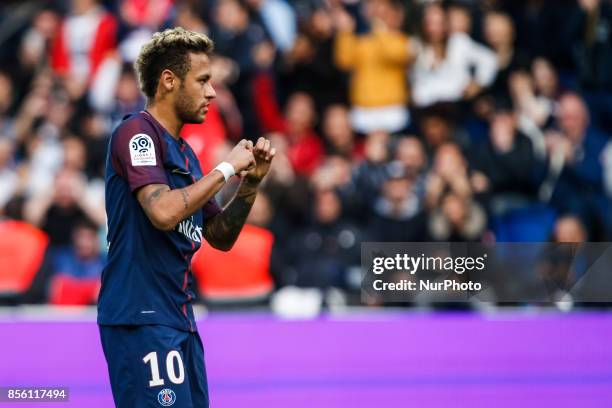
(378, 62)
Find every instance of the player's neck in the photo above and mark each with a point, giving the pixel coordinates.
(167, 119)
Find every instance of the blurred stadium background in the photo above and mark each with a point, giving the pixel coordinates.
(464, 121)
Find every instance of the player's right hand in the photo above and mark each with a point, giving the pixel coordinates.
(241, 156)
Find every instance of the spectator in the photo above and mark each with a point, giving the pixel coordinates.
(534, 110)
(338, 133)
(377, 61)
(38, 128)
(592, 52)
(562, 266)
(32, 109)
(305, 148)
(437, 127)
(506, 164)
(127, 97)
(500, 36)
(279, 19)
(309, 66)
(368, 176)
(32, 58)
(82, 45)
(93, 128)
(460, 19)
(398, 213)
(535, 96)
(410, 154)
(455, 215)
(546, 80)
(457, 219)
(189, 15)
(246, 42)
(75, 155)
(581, 148)
(35, 43)
(61, 209)
(409, 151)
(449, 174)
(334, 173)
(84, 260)
(543, 30)
(569, 229)
(442, 71)
(324, 252)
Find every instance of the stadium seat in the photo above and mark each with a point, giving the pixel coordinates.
(22, 250)
(68, 290)
(241, 274)
(533, 223)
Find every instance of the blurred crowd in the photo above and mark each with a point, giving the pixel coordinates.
(414, 120)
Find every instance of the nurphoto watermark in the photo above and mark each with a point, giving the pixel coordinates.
(501, 272)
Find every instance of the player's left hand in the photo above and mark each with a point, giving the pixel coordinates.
(264, 153)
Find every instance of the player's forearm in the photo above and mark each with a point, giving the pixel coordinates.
(166, 207)
(222, 231)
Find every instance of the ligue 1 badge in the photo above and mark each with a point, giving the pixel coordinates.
(166, 397)
(142, 150)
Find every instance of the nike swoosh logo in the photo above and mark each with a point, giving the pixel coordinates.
(179, 171)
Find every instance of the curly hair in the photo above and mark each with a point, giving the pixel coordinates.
(168, 49)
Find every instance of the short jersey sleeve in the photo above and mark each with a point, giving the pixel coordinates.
(138, 153)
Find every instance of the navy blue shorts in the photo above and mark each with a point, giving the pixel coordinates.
(155, 366)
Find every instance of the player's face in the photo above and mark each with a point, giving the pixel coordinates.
(196, 91)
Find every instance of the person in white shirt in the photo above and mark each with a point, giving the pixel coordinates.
(448, 67)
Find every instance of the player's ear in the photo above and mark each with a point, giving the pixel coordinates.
(168, 80)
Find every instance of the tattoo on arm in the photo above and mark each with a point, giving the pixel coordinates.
(185, 195)
(154, 196)
(148, 196)
(236, 214)
(224, 229)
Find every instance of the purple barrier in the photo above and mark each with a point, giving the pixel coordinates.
(388, 360)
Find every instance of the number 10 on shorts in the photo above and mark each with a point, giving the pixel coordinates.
(172, 375)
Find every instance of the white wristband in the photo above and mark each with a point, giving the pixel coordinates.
(226, 169)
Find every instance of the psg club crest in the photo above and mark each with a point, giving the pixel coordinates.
(166, 397)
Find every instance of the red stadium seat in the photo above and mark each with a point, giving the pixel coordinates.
(22, 249)
(241, 274)
(68, 290)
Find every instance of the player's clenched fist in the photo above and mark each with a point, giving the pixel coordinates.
(241, 157)
(264, 153)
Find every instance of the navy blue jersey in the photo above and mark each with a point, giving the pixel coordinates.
(147, 278)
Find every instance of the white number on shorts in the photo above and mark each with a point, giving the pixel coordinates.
(156, 379)
(170, 367)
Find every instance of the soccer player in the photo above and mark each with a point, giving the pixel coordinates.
(160, 206)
